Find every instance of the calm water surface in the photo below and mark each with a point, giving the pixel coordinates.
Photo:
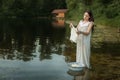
(35, 49)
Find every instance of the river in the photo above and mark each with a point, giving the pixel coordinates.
(39, 49)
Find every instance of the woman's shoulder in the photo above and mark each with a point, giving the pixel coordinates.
(81, 20)
(91, 22)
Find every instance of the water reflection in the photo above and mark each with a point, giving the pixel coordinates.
(24, 40)
(80, 75)
(45, 49)
(37, 45)
(58, 22)
(42, 45)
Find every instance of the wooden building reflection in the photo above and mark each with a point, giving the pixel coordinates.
(58, 17)
(58, 23)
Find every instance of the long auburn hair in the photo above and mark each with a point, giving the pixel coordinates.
(91, 19)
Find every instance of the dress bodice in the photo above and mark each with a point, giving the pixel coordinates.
(83, 26)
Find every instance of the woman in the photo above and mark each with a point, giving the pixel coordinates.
(84, 30)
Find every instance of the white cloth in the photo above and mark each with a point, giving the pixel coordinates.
(83, 45)
(73, 36)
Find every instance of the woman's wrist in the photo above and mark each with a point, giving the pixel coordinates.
(80, 32)
(70, 25)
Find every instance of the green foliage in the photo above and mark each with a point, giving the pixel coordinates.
(104, 2)
(105, 11)
(59, 4)
(29, 8)
(75, 10)
(71, 4)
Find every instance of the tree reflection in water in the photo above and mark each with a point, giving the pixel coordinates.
(24, 40)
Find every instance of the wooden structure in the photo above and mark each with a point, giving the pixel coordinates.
(59, 13)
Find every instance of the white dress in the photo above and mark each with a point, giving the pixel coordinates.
(83, 45)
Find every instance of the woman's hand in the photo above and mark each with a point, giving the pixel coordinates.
(78, 32)
(71, 25)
